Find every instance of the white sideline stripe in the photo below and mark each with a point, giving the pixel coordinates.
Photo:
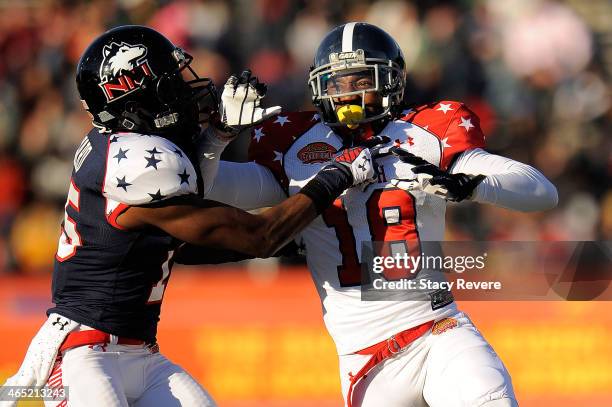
(347, 37)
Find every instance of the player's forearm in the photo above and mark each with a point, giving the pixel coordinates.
(207, 223)
(508, 183)
(254, 235)
(281, 222)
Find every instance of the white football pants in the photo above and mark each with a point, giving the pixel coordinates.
(454, 368)
(123, 375)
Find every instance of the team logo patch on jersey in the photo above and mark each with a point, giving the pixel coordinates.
(444, 325)
(318, 152)
(123, 70)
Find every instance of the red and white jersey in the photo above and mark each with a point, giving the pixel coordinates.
(295, 146)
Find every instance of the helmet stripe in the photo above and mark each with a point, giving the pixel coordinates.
(347, 37)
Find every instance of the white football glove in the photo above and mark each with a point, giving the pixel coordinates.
(240, 103)
(359, 160)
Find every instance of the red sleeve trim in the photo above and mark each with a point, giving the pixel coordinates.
(112, 217)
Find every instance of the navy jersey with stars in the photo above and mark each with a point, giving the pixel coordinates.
(107, 277)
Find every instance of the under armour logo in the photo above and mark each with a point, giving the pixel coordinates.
(363, 166)
(60, 323)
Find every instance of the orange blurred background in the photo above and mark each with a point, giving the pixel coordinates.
(256, 338)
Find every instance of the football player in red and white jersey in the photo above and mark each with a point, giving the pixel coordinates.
(392, 353)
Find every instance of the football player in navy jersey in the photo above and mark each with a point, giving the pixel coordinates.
(134, 198)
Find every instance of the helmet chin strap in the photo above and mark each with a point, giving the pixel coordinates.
(139, 120)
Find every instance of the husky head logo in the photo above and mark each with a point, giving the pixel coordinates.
(120, 57)
(123, 69)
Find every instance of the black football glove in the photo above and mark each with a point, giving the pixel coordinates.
(432, 180)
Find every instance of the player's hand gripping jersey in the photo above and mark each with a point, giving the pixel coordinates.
(289, 149)
(105, 277)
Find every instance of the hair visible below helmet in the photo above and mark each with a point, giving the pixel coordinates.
(131, 79)
(358, 48)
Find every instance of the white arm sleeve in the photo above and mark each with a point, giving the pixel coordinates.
(246, 186)
(209, 149)
(509, 184)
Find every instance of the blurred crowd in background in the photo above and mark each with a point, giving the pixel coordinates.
(536, 72)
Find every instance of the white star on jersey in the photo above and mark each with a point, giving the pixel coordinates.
(445, 107)
(258, 134)
(315, 117)
(278, 156)
(445, 143)
(467, 123)
(282, 120)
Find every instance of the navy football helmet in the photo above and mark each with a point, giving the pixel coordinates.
(370, 59)
(132, 78)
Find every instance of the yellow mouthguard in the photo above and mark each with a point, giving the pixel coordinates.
(350, 115)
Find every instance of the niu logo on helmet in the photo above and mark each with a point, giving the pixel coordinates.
(123, 69)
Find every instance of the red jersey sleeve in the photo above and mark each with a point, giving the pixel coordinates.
(453, 123)
(271, 140)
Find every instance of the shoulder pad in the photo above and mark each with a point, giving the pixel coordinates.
(141, 169)
(272, 139)
(456, 126)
